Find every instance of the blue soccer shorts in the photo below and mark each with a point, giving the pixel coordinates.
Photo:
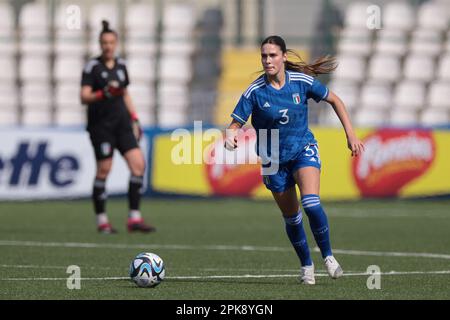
(284, 178)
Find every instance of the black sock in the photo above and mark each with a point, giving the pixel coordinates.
(134, 192)
(99, 195)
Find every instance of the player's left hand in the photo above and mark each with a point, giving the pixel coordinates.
(355, 145)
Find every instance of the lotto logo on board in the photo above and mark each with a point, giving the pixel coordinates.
(393, 158)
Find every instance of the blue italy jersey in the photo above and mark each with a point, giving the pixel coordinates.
(285, 109)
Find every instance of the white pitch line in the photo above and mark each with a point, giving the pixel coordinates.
(244, 276)
(15, 243)
(390, 273)
(64, 279)
(390, 254)
(30, 266)
(137, 246)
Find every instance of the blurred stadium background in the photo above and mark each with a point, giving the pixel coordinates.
(190, 61)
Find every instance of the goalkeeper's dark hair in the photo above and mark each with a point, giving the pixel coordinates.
(322, 65)
(106, 29)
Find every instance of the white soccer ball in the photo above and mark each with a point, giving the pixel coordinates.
(147, 270)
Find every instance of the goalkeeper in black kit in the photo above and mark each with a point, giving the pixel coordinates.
(113, 124)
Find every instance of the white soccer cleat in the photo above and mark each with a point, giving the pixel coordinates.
(307, 275)
(334, 269)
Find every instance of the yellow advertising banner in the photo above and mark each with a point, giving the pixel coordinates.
(396, 163)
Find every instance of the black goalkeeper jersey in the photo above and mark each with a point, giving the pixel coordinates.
(107, 113)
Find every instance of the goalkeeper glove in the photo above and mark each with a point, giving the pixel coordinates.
(110, 91)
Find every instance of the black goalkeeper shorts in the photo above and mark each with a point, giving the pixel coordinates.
(105, 141)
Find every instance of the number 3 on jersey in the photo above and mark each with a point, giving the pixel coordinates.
(284, 117)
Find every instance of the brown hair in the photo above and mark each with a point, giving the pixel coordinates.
(322, 65)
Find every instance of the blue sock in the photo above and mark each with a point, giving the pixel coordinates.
(318, 222)
(297, 235)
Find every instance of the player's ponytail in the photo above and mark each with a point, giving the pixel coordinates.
(106, 29)
(105, 25)
(322, 65)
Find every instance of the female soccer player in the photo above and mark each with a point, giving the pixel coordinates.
(112, 123)
(277, 100)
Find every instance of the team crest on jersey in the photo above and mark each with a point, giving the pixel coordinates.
(104, 74)
(121, 75)
(296, 98)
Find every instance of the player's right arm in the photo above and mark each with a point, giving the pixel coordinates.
(231, 135)
(88, 96)
(239, 115)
